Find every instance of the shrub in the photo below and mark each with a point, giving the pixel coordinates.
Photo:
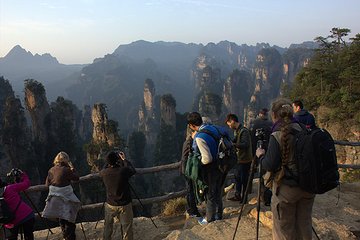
(174, 206)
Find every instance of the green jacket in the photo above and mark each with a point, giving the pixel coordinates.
(242, 143)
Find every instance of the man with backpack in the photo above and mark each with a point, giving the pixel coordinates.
(302, 115)
(206, 145)
(242, 143)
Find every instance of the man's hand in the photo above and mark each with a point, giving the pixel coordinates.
(260, 152)
(193, 134)
(122, 156)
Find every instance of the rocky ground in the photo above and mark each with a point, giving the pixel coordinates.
(336, 216)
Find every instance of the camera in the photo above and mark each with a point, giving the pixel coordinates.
(14, 175)
(260, 135)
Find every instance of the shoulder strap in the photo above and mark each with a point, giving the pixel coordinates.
(210, 134)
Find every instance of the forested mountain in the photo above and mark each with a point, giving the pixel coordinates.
(330, 83)
(176, 68)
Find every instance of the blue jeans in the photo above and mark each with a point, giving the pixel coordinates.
(242, 171)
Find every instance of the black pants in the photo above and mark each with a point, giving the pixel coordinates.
(27, 228)
(242, 171)
(214, 204)
(68, 229)
(191, 198)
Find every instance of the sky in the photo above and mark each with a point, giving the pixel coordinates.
(78, 31)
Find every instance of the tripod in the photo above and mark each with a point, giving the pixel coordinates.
(37, 211)
(132, 189)
(248, 184)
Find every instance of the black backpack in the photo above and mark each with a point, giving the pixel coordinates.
(226, 154)
(316, 161)
(6, 216)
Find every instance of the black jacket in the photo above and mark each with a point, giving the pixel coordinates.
(186, 150)
(116, 180)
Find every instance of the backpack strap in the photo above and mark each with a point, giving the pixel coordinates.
(210, 134)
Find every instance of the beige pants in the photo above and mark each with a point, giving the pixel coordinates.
(292, 209)
(125, 215)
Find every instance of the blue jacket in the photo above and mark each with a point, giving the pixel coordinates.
(210, 141)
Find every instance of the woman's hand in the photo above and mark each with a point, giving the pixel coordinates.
(122, 156)
(71, 166)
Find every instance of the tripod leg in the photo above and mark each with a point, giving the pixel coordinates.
(258, 202)
(37, 211)
(101, 210)
(247, 190)
(132, 189)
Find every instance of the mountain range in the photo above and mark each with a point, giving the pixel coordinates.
(117, 79)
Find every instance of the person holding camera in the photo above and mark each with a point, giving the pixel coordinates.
(116, 177)
(290, 205)
(242, 143)
(24, 217)
(61, 202)
(260, 129)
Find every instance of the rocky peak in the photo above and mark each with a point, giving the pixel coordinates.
(5, 92)
(149, 96)
(237, 91)
(105, 136)
(210, 106)
(168, 109)
(268, 74)
(38, 108)
(18, 55)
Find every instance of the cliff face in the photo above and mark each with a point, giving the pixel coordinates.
(38, 108)
(167, 110)
(15, 136)
(236, 93)
(210, 106)
(105, 137)
(268, 75)
(294, 59)
(6, 95)
(148, 121)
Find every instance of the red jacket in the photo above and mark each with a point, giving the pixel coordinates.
(12, 198)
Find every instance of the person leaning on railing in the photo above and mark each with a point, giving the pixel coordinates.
(61, 202)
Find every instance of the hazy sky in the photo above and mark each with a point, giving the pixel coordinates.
(77, 31)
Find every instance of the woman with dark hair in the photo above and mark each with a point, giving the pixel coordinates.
(290, 205)
(61, 202)
(24, 216)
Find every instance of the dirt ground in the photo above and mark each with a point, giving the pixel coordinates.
(336, 215)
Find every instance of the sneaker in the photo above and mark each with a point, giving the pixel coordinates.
(202, 221)
(217, 217)
(192, 215)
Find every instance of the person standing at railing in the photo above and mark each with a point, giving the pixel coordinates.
(192, 210)
(61, 202)
(116, 177)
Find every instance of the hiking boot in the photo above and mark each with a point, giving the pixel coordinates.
(202, 221)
